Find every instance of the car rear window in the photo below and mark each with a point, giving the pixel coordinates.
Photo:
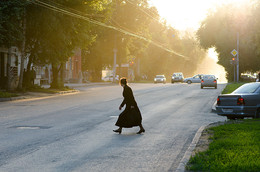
(208, 77)
(177, 74)
(159, 76)
(247, 88)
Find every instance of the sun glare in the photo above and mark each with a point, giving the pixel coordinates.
(187, 14)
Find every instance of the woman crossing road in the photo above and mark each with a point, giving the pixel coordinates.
(131, 116)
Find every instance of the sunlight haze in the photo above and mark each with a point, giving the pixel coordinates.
(187, 14)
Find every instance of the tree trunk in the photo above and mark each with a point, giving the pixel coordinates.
(54, 83)
(9, 76)
(20, 84)
(61, 75)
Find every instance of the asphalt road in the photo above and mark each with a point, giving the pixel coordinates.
(74, 132)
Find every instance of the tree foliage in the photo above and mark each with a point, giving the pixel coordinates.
(152, 54)
(11, 15)
(53, 32)
(221, 29)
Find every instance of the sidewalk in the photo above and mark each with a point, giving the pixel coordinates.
(36, 95)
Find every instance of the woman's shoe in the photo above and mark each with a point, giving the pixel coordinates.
(118, 131)
(141, 131)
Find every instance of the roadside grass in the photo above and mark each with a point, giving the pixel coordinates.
(48, 90)
(7, 94)
(235, 147)
(230, 87)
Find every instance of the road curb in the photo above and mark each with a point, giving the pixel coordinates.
(35, 97)
(213, 109)
(74, 86)
(187, 155)
(11, 99)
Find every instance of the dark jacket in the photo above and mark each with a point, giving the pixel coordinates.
(130, 117)
(129, 99)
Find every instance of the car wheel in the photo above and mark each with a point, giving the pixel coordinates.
(257, 114)
(216, 87)
(172, 82)
(201, 87)
(189, 82)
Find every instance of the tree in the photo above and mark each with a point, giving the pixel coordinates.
(58, 33)
(126, 17)
(220, 30)
(11, 28)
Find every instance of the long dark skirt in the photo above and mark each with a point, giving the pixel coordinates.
(129, 118)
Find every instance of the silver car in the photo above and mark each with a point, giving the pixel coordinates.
(243, 102)
(208, 81)
(177, 77)
(194, 79)
(160, 79)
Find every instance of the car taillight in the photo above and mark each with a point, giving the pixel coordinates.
(202, 80)
(240, 101)
(214, 81)
(218, 101)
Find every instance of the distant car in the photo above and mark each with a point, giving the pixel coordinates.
(243, 102)
(208, 81)
(248, 78)
(194, 79)
(177, 77)
(159, 79)
(110, 78)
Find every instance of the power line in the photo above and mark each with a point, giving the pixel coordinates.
(143, 11)
(57, 9)
(73, 10)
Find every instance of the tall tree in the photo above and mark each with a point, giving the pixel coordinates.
(127, 18)
(60, 31)
(11, 28)
(220, 30)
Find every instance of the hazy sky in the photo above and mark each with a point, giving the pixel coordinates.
(187, 14)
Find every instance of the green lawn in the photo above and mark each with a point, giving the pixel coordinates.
(234, 147)
(230, 87)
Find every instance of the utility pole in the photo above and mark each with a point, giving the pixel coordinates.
(114, 68)
(233, 62)
(115, 51)
(237, 56)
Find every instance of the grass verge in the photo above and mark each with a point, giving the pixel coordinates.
(48, 90)
(234, 147)
(7, 94)
(4, 94)
(231, 87)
